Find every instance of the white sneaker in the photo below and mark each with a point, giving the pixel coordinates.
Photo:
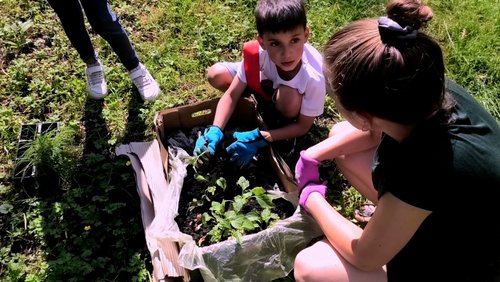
(145, 83)
(96, 83)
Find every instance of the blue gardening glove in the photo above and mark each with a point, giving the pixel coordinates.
(208, 141)
(311, 188)
(306, 171)
(245, 147)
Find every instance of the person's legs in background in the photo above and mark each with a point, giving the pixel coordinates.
(105, 22)
(71, 17)
(70, 14)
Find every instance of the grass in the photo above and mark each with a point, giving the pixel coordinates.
(90, 229)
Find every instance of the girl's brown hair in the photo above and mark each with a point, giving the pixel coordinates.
(376, 71)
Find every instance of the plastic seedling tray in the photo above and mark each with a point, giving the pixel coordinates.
(24, 172)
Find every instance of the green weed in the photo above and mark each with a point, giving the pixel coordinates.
(53, 153)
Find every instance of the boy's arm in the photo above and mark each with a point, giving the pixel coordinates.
(228, 102)
(296, 129)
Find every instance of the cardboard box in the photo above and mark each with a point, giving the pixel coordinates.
(202, 114)
(263, 256)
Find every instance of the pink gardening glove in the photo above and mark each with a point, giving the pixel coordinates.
(311, 188)
(306, 171)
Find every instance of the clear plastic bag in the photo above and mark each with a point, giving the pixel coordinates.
(263, 256)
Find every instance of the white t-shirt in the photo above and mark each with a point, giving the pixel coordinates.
(309, 81)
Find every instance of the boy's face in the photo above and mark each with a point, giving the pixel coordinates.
(285, 48)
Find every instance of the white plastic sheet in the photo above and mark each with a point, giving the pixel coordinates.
(264, 256)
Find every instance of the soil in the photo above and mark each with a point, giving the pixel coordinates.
(258, 173)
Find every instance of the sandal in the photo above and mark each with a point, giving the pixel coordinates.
(364, 212)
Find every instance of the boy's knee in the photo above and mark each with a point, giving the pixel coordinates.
(219, 77)
(288, 101)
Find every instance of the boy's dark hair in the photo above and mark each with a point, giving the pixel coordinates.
(279, 15)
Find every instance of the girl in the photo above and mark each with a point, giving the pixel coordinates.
(415, 144)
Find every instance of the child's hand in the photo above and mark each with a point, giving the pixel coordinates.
(311, 188)
(208, 141)
(306, 171)
(245, 147)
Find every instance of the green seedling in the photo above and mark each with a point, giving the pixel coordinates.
(230, 219)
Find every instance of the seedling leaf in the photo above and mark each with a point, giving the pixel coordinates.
(243, 183)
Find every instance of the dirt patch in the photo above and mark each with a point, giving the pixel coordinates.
(197, 198)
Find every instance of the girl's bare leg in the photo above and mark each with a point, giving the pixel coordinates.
(357, 167)
(321, 262)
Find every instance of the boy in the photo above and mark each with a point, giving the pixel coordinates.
(289, 67)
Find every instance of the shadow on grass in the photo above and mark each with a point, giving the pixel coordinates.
(136, 127)
(97, 234)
